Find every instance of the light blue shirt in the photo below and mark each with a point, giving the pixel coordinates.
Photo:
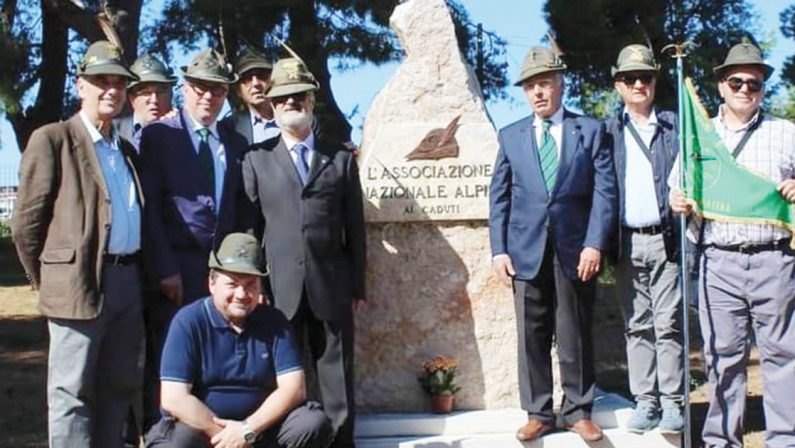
(640, 198)
(262, 129)
(219, 156)
(125, 229)
(309, 154)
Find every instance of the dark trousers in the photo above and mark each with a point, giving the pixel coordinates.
(553, 304)
(304, 427)
(330, 346)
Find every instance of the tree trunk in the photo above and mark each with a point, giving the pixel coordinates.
(57, 18)
(306, 38)
(49, 101)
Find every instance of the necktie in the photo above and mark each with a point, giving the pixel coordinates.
(206, 158)
(300, 162)
(548, 155)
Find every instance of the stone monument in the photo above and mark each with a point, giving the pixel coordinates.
(426, 161)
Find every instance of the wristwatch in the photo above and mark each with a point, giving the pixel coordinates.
(248, 434)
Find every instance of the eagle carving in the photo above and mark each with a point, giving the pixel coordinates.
(437, 144)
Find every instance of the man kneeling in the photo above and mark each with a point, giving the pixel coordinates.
(231, 375)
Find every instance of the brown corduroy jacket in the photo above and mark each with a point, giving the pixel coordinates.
(62, 218)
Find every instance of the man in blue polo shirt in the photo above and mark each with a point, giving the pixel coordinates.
(231, 375)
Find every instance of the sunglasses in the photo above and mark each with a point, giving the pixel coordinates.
(630, 80)
(215, 90)
(297, 97)
(736, 84)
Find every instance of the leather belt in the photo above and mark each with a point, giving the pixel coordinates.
(754, 248)
(122, 259)
(648, 230)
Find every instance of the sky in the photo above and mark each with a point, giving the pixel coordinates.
(519, 22)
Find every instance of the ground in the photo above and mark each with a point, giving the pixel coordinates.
(23, 358)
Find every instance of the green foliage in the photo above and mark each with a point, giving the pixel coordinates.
(5, 229)
(438, 376)
(784, 105)
(592, 32)
(787, 18)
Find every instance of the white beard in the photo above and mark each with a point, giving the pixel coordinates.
(294, 121)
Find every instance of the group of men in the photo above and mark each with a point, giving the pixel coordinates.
(569, 191)
(164, 217)
(158, 227)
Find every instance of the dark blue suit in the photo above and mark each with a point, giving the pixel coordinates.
(544, 233)
(182, 226)
(181, 220)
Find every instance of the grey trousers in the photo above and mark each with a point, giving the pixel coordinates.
(93, 371)
(651, 303)
(739, 293)
(304, 427)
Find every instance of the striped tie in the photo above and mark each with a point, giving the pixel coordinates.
(548, 155)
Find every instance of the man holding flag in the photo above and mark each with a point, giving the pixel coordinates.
(738, 185)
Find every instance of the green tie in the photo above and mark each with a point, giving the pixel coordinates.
(206, 158)
(548, 155)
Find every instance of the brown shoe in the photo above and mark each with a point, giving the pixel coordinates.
(532, 430)
(587, 429)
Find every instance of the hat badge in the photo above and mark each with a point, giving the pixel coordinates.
(636, 55)
(293, 70)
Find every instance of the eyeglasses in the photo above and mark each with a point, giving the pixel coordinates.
(151, 91)
(297, 97)
(754, 85)
(630, 80)
(214, 89)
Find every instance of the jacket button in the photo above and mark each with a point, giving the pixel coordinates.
(300, 262)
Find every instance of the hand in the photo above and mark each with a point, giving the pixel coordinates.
(358, 305)
(787, 189)
(679, 203)
(170, 114)
(172, 288)
(590, 262)
(231, 436)
(503, 267)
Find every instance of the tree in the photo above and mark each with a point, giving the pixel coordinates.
(34, 38)
(36, 57)
(611, 24)
(787, 18)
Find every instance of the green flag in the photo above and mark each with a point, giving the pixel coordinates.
(717, 186)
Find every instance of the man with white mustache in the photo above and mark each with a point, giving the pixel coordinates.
(307, 204)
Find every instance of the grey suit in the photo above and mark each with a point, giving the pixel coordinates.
(314, 241)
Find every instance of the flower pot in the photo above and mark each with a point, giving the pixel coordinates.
(442, 404)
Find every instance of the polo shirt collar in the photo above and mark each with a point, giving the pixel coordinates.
(217, 320)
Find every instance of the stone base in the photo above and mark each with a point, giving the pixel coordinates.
(497, 428)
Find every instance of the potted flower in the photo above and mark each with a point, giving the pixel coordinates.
(438, 381)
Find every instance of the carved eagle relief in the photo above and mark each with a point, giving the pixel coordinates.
(437, 144)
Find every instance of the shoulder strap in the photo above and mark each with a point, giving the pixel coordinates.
(639, 141)
(739, 148)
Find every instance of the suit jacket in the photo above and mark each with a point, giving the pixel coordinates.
(664, 148)
(580, 210)
(62, 220)
(182, 224)
(124, 126)
(240, 122)
(313, 234)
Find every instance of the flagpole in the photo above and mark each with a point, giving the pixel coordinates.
(679, 52)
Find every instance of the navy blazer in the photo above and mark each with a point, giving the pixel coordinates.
(664, 149)
(182, 218)
(579, 212)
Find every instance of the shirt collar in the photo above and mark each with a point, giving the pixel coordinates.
(556, 118)
(256, 118)
(94, 133)
(651, 122)
(196, 126)
(750, 122)
(290, 142)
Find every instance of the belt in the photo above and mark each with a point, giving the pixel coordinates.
(754, 248)
(648, 230)
(122, 259)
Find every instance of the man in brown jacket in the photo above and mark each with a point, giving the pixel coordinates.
(77, 229)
